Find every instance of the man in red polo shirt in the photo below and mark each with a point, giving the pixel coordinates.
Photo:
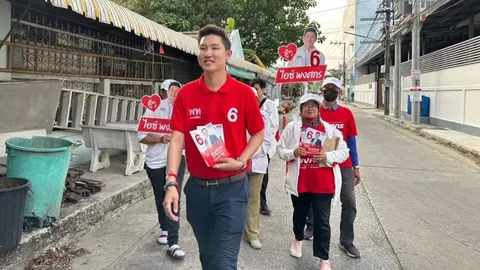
(217, 197)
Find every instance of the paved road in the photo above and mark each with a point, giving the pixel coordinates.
(417, 209)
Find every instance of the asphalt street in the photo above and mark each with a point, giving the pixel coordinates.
(417, 209)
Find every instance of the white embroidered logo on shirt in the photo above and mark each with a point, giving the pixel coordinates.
(195, 113)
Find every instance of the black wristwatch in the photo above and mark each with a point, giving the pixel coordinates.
(244, 164)
(167, 186)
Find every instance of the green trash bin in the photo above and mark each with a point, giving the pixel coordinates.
(44, 161)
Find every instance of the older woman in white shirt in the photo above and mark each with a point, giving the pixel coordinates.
(255, 179)
(308, 180)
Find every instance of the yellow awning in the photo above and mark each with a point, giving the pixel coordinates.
(111, 13)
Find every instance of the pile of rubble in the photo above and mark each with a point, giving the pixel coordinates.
(77, 187)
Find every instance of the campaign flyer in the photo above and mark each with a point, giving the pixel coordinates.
(312, 141)
(209, 140)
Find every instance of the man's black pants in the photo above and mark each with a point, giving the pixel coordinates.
(263, 191)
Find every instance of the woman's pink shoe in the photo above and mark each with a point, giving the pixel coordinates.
(296, 249)
(325, 265)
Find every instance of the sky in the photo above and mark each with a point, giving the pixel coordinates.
(330, 16)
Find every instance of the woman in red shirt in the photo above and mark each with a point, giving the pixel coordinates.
(313, 176)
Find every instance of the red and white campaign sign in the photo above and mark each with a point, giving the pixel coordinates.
(154, 125)
(301, 74)
(151, 102)
(313, 73)
(287, 52)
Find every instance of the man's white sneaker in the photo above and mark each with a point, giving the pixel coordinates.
(296, 249)
(255, 244)
(163, 238)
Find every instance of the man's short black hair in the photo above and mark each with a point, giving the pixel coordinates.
(211, 29)
(310, 29)
(261, 82)
(177, 84)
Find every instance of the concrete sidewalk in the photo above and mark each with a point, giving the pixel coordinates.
(465, 143)
(129, 241)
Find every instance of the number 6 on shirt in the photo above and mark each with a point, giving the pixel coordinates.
(232, 115)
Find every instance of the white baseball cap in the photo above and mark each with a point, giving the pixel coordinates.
(310, 96)
(254, 91)
(166, 84)
(332, 80)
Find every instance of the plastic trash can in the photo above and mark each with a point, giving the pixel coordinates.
(44, 161)
(13, 192)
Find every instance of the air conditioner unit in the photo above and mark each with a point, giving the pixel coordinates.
(404, 8)
(424, 4)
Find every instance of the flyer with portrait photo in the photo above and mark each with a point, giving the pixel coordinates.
(209, 141)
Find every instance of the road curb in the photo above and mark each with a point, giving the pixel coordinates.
(423, 131)
(75, 225)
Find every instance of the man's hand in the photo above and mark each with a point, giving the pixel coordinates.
(299, 152)
(320, 157)
(228, 164)
(171, 198)
(356, 176)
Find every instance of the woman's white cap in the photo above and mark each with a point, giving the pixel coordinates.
(310, 96)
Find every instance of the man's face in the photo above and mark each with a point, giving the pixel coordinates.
(212, 55)
(204, 132)
(172, 93)
(260, 91)
(317, 135)
(330, 86)
(309, 39)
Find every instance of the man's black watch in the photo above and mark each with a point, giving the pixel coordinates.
(167, 186)
(244, 164)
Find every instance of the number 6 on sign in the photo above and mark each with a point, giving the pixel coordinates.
(315, 59)
(310, 135)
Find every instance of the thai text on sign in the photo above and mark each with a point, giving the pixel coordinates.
(154, 125)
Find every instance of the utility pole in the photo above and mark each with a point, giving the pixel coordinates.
(344, 59)
(416, 96)
(387, 10)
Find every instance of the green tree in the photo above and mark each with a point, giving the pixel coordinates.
(263, 24)
(335, 72)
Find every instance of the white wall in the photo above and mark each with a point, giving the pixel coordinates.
(454, 94)
(365, 93)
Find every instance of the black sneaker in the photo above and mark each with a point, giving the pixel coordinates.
(264, 210)
(308, 233)
(351, 250)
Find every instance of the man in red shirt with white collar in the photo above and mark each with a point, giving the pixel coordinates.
(217, 196)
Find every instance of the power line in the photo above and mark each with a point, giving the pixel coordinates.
(332, 9)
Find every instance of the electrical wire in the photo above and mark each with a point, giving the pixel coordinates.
(337, 8)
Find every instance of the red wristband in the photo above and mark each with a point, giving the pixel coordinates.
(173, 175)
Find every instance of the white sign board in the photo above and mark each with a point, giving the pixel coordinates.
(415, 74)
(416, 94)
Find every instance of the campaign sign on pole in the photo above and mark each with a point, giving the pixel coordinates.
(152, 124)
(315, 72)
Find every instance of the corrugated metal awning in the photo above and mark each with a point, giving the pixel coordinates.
(111, 13)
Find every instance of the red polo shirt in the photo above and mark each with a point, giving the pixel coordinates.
(312, 178)
(342, 118)
(234, 106)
